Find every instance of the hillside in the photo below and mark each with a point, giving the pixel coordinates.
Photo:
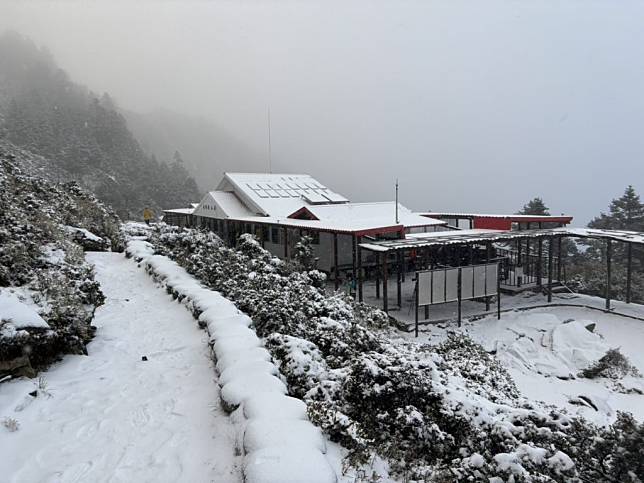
(81, 135)
(207, 149)
(47, 290)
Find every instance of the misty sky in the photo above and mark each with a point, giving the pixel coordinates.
(473, 105)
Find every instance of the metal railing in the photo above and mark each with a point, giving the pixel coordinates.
(526, 268)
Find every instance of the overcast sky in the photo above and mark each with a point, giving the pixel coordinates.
(473, 105)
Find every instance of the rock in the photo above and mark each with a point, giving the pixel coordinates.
(144, 358)
(591, 327)
(20, 366)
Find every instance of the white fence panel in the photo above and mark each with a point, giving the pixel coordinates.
(438, 286)
(451, 280)
(467, 283)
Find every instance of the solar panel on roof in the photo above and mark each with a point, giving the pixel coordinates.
(315, 198)
(334, 197)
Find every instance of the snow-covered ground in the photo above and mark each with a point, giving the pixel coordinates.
(544, 349)
(114, 417)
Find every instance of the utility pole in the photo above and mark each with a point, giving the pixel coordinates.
(270, 161)
(397, 221)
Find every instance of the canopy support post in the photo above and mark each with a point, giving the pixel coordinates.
(385, 298)
(629, 269)
(609, 253)
(399, 278)
(377, 275)
(551, 246)
(360, 276)
(416, 303)
(559, 259)
(335, 261)
(539, 262)
(488, 255)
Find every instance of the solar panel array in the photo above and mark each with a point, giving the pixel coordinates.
(310, 190)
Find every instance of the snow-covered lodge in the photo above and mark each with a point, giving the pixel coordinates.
(372, 241)
(280, 208)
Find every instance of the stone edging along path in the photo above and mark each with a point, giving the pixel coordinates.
(278, 441)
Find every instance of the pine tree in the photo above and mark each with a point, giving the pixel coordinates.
(625, 213)
(535, 206)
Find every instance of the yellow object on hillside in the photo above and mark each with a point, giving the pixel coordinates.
(148, 214)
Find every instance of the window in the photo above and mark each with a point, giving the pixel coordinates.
(275, 235)
(315, 236)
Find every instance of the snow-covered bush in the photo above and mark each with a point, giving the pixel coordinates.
(42, 228)
(437, 413)
(614, 365)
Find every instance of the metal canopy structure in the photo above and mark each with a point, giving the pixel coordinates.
(472, 237)
(464, 237)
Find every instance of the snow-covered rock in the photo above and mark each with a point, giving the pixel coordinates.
(19, 314)
(287, 465)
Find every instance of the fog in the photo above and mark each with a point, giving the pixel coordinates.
(474, 106)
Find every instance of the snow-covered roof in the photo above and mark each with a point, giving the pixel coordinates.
(180, 211)
(278, 194)
(618, 235)
(461, 237)
(352, 217)
(285, 199)
(544, 218)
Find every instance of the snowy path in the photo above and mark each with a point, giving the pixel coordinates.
(113, 417)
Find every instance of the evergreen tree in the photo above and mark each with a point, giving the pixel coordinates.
(535, 206)
(85, 135)
(625, 213)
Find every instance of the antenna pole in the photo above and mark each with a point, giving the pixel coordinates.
(397, 221)
(270, 161)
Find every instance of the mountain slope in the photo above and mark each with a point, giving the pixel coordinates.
(207, 149)
(84, 136)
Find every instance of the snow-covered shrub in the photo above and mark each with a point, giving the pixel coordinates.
(437, 413)
(40, 255)
(614, 365)
(608, 454)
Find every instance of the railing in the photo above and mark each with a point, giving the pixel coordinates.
(526, 268)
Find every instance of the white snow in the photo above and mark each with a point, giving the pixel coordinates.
(544, 350)
(17, 314)
(113, 417)
(287, 465)
(277, 450)
(270, 433)
(274, 406)
(86, 233)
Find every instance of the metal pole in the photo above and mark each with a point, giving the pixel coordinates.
(488, 255)
(416, 290)
(609, 253)
(360, 277)
(385, 301)
(399, 279)
(551, 247)
(459, 296)
(540, 261)
(335, 261)
(629, 268)
(498, 292)
(377, 275)
(559, 259)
